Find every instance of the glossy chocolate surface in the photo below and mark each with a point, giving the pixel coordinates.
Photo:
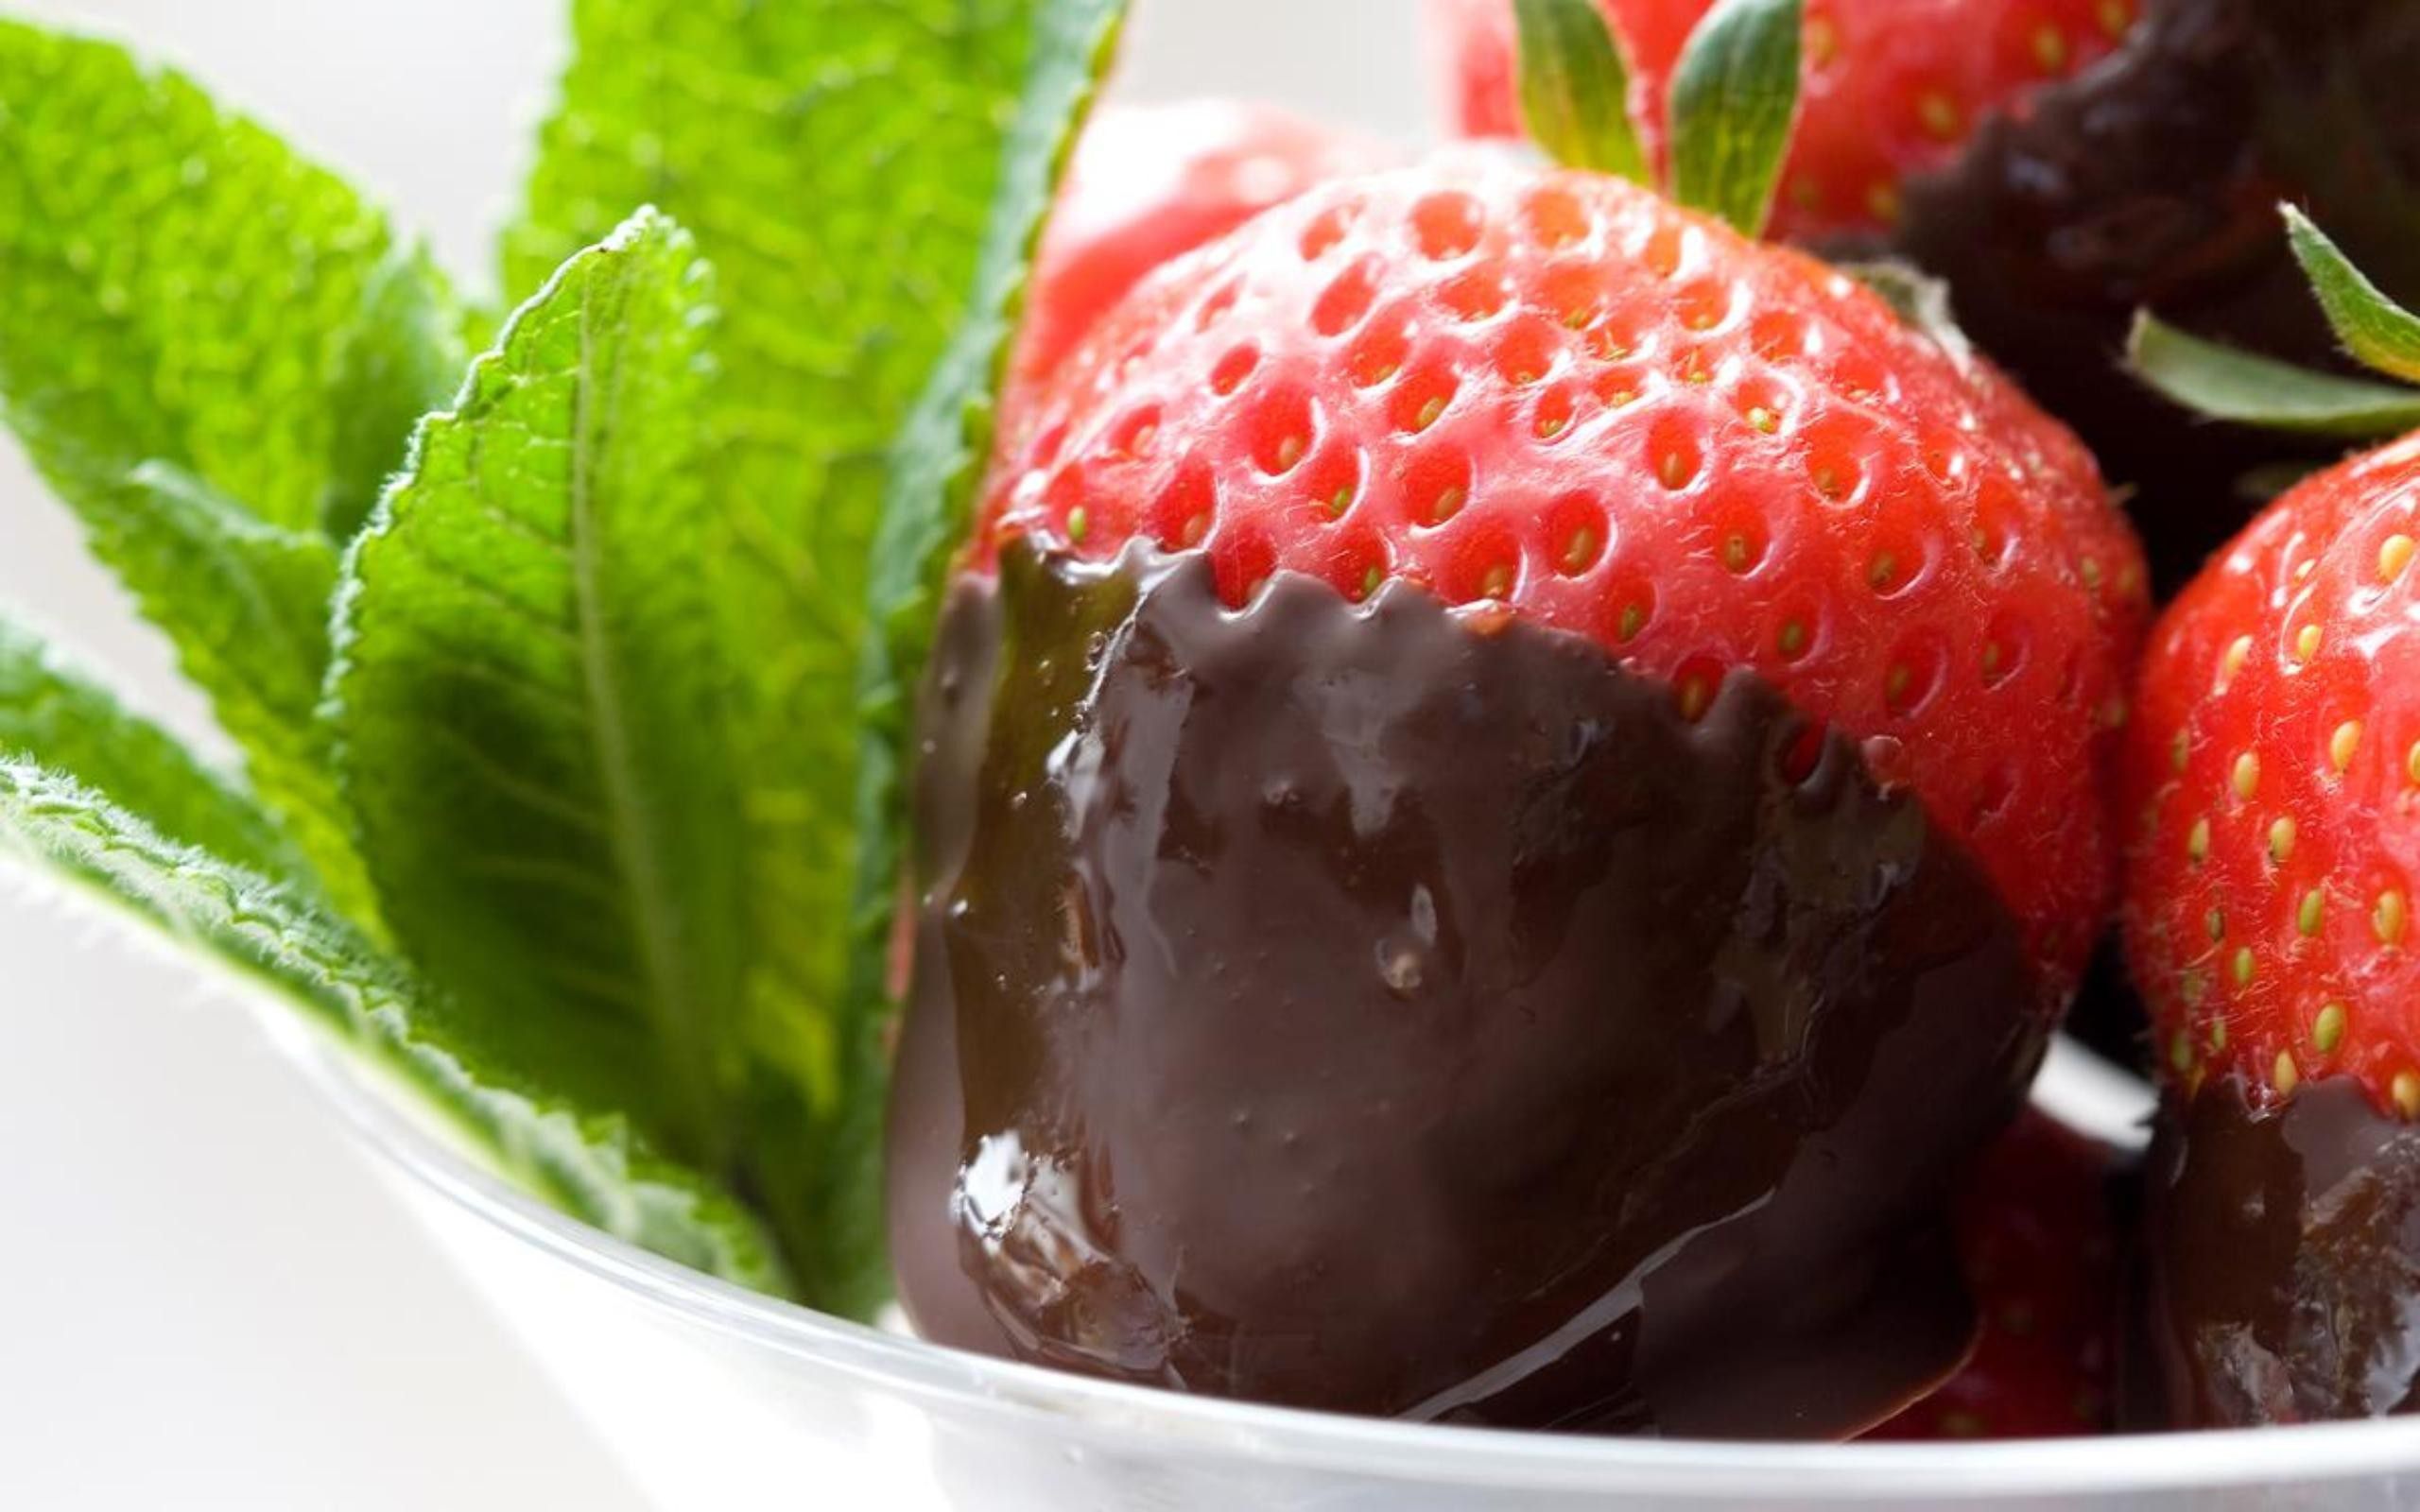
(2285, 1257)
(2153, 180)
(1357, 1007)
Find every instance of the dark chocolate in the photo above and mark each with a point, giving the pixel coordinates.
(2286, 1256)
(2107, 1015)
(2152, 179)
(1369, 1008)
(2138, 1394)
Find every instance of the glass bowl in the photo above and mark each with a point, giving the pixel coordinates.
(718, 1400)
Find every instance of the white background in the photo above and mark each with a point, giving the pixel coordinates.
(202, 1301)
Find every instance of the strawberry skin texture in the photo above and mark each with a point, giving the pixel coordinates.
(1891, 89)
(2274, 776)
(1147, 183)
(1556, 396)
(2039, 1242)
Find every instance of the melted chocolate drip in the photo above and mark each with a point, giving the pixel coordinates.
(1361, 1008)
(2153, 180)
(2285, 1257)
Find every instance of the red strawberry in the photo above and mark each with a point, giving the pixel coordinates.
(2274, 772)
(1893, 87)
(1150, 182)
(2039, 1243)
(2275, 778)
(1562, 398)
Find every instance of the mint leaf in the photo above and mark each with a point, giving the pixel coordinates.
(269, 943)
(934, 470)
(60, 717)
(247, 603)
(401, 358)
(837, 159)
(530, 700)
(1734, 99)
(835, 156)
(213, 350)
(2225, 384)
(184, 288)
(1575, 90)
(2379, 333)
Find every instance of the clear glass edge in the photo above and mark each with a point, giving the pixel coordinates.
(1127, 1417)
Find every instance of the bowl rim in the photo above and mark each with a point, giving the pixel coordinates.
(1127, 1417)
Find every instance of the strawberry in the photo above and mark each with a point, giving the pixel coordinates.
(1893, 89)
(1560, 398)
(2276, 774)
(2060, 163)
(2274, 780)
(2039, 1244)
(1150, 181)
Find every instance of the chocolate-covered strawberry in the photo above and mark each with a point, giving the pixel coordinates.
(2062, 162)
(2275, 773)
(1507, 794)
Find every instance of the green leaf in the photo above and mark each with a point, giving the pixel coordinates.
(58, 717)
(1575, 90)
(184, 288)
(213, 349)
(837, 159)
(1734, 99)
(836, 156)
(2225, 384)
(926, 508)
(248, 603)
(403, 357)
(312, 964)
(530, 701)
(2379, 333)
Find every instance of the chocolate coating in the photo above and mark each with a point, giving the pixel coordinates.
(2286, 1256)
(1357, 1007)
(2107, 1014)
(2153, 180)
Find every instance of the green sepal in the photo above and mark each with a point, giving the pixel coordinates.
(1575, 88)
(2378, 333)
(1734, 101)
(2225, 383)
